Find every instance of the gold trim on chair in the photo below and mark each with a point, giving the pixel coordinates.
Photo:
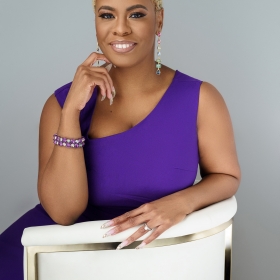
(228, 252)
(33, 251)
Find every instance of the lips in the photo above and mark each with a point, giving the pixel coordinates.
(122, 46)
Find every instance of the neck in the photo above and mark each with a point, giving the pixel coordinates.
(136, 79)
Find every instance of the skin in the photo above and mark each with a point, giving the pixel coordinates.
(63, 193)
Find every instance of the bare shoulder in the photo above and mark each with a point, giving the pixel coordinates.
(211, 104)
(210, 96)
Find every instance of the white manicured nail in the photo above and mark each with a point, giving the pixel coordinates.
(123, 244)
(143, 244)
(109, 67)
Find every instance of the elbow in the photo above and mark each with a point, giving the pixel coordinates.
(234, 186)
(64, 218)
(234, 179)
(68, 218)
(238, 177)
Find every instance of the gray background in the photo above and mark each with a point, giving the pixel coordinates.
(232, 44)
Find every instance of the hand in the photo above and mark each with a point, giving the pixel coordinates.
(85, 80)
(159, 215)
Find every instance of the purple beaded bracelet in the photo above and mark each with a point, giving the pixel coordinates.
(70, 143)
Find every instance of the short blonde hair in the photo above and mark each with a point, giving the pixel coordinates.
(158, 4)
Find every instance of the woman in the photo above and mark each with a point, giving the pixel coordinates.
(138, 160)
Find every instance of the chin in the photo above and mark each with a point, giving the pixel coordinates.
(123, 62)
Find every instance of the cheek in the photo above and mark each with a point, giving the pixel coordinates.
(145, 32)
(100, 31)
(102, 35)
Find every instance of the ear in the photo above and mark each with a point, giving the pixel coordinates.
(159, 20)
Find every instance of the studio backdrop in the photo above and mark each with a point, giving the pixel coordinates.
(232, 44)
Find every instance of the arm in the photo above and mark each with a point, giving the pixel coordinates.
(62, 180)
(219, 166)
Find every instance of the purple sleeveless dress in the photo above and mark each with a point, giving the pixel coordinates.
(155, 158)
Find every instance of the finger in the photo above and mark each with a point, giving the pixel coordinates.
(154, 235)
(102, 70)
(100, 80)
(93, 57)
(107, 66)
(145, 208)
(129, 223)
(140, 232)
(120, 219)
(107, 84)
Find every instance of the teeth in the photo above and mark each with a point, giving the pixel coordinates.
(123, 46)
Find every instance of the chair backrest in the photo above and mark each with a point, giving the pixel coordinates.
(197, 248)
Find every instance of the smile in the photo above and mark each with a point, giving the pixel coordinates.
(123, 47)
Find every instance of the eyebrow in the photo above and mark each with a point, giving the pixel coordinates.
(136, 7)
(128, 9)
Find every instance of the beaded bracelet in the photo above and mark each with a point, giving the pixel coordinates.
(70, 143)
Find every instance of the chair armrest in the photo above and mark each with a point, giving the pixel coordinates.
(91, 232)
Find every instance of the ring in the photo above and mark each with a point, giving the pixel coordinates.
(146, 227)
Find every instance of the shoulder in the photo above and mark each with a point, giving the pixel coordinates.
(213, 113)
(209, 93)
(208, 97)
(210, 100)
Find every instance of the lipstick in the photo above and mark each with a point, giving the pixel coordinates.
(122, 46)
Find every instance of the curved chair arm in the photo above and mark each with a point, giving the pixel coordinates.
(209, 227)
(213, 218)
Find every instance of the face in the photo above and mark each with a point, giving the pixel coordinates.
(126, 30)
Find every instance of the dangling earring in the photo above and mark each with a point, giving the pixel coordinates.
(158, 66)
(98, 49)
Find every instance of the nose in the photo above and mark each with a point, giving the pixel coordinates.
(122, 28)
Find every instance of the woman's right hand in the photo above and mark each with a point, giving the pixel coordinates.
(86, 79)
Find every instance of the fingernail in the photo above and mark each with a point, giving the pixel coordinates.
(109, 233)
(113, 92)
(103, 97)
(107, 224)
(111, 100)
(109, 67)
(123, 244)
(143, 244)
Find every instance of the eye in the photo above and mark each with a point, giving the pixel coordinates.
(106, 16)
(137, 15)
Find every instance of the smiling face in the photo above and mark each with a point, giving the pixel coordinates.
(126, 30)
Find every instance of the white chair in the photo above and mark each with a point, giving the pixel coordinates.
(198, 248)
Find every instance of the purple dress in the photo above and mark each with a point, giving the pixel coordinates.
(155, 158)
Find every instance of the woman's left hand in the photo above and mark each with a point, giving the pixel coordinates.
(159, 215)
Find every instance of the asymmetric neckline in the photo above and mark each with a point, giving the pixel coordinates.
(135, 126)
